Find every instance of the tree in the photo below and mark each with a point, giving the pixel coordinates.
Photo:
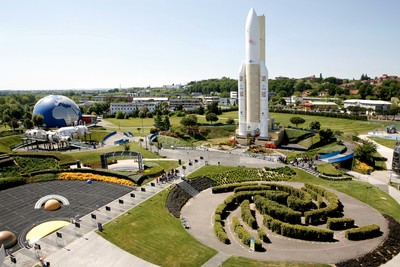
(189, 120)
(230, 121)
(28, 123)
(200, 110)
(315, 125)
(213, 108)
(38, 120)
(297, 120)
(365, 152)
(166, 123)
(158, 123)
(127, 147)
(394, 110)
(211, 117)
(326, 135)
(119, 115)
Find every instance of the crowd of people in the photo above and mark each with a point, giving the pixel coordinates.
(168, 176)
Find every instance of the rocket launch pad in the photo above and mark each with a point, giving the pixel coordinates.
(253, 80)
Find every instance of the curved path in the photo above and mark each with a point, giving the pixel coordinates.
(200, 210)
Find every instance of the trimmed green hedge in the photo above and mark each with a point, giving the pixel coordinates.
(246, 214)
(12, 182)
(364, 232)
(333, 209)
(262, 235)
(278, 211)
(230, 187)
(298, 204)
(252, 188)
(334, 178)
(340, 223)
(220, 232)
(297, 231)
(245, 236)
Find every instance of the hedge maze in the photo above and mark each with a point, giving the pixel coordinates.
(286, 211)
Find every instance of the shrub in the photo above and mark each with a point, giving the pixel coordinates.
(340, 223)
(364, 232)
(297, 231)
(247, 215)
(230, 187)
(299, 204)
(95, 177)
(333, 209)
(220, 232)
(252, 188)
(262, 235)
(243, 235)
(277, 211)
(6, 183)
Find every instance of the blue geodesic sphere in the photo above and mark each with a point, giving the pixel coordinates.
(58, 111)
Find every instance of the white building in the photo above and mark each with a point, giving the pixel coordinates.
(374, 105)
(130, 107)
(188, 104)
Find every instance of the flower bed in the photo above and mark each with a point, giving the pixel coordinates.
(95, 177)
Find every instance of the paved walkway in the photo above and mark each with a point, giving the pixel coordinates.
(83, 247)
(199, 212)
(79, 248)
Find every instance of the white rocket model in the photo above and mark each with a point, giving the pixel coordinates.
(253, 80)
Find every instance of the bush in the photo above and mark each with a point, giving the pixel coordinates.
(333, 209)
(340, 223)
(252, 188)
(362, 233)
(334, 177)
(297, 231)
(220, 232)
(247, 215)
(299, 204)
(277, 211)
(262, 235)
(230, 187)
(243, 235)
(6, 183)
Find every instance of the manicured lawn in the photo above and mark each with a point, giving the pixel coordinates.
(150, 232)
(240, 262)
(344, 125)
(168, 141)
(385, 142)
(328, 169)
(6, 142)
(211, 169)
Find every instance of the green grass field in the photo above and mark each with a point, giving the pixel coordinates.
(6, 142)
(344, 125)
(137, 233)
(385, 142)
(328, 169)
(240, 262)
(150, 232)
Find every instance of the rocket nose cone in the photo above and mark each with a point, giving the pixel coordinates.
(252, 19)
(252, 13)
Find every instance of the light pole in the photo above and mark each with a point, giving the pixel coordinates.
(145, 139)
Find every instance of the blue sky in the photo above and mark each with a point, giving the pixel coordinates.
(66, 44)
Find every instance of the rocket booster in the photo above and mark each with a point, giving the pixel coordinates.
(242, 99)
(253, 80)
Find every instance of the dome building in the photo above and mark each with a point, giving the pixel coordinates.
(58, 111)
